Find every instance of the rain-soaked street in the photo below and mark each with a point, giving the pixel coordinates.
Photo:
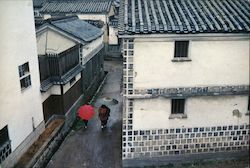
(91, 147)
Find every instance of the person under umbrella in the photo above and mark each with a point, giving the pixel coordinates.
(104, 113)
(86, 112)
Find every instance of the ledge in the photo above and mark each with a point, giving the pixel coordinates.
(181, 59)
(190, 91)
(179, 116)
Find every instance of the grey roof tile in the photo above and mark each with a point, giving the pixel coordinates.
(78, 28)
(184, 16)
(46, 84)
(38, 3)
(84, 6)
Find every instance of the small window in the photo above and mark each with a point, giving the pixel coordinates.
(177, 106)
(72, 80)
(248, 106)
(5, 147)
(24, 74)
(23, 69)
(181, 49)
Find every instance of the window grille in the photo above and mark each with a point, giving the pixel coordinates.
(5, 147)
(181, 49)
(178, 106)
(24, 74)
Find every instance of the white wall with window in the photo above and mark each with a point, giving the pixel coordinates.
(200, 111)
(20, 103)
(155, 65)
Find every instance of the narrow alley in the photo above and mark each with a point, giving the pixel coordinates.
(92, 147)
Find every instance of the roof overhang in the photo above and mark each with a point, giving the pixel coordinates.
(201, 36)
(47, 26)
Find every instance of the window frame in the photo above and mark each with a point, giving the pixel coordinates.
(179, 114)
(5, 145)
(178, 58)
(24, 76)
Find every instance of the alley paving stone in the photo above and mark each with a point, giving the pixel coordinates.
(92, 147)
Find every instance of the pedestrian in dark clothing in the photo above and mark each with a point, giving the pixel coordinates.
(104, 113)
(85, 123)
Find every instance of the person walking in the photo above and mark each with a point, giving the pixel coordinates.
(85, 113)
(104, 113)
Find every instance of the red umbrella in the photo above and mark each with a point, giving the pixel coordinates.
(86, 112)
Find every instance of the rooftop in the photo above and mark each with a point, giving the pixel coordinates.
(75, 27)
(38, 3)
(77, 6)
(184, 16)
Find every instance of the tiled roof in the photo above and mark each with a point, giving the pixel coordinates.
(84, 6)
(184, 16)
(38, 3)
(78, 28)
(46, 84)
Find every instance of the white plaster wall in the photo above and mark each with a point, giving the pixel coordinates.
(87, 49)
(54, 90)
(213, 63)
(67, 86)
(56, 43)
(113, 39)
(18, 46)
(201, 111)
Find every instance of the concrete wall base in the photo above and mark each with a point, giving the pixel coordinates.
(179, 159)
(13, 158)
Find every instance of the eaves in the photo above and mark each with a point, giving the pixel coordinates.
(46, 26)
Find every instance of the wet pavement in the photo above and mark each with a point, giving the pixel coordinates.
(92, 147)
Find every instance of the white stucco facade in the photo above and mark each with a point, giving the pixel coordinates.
(212, 118)
(228, 58)
(52, 42)
(113, 38)
(213, 63)
(17, 46)
(200, 111)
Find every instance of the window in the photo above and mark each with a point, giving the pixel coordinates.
(248, 106)
(72, 80)
(177, 106)
(5, 148)
(181, 49)
(24, 74)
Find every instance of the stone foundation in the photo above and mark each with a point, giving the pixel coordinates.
(180, 141)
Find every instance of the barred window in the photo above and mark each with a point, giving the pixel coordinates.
(178, 106)
(5, 147)
(181, 49)
(24, 74)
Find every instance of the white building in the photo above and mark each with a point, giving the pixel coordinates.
(21, 116)
(186, 79)
(71, 64)
(98, 10)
